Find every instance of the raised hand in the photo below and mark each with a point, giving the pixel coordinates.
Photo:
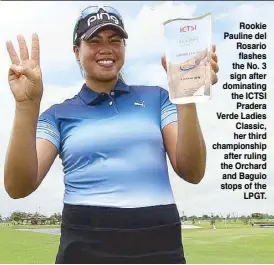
(25, 76)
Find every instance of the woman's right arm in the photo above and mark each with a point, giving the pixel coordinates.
(28, 159)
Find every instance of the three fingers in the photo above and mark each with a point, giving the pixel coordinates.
(23, 50)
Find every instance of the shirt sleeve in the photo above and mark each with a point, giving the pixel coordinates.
(47, 127)
(168, 109)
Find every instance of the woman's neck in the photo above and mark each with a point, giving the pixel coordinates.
(100, 86)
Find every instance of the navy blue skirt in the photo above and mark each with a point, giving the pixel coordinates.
(116, 235)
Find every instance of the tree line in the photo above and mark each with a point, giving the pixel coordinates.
(56, 218)
(33, 218)
(230, 217)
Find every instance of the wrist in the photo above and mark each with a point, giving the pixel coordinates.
(28, 105)
(189, 106)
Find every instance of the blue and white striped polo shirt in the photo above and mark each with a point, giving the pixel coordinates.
(111, 145)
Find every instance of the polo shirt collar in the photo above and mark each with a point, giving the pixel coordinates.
(89, 96)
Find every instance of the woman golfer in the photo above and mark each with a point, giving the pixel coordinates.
(112, 139)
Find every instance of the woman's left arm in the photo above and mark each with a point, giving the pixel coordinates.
(185, 144)
(184, 141)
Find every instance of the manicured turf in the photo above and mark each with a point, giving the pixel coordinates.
(27, 247)
(229, 243)
(238, 245)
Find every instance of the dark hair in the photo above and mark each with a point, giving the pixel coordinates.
(120, 75)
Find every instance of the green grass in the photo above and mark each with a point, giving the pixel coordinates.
(232, 245)
(34, 226)
(27, 247)
(229, 243)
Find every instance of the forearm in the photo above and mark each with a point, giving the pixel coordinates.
(191, 149)
(21, 159)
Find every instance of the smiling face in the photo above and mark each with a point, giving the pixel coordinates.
(102, 56)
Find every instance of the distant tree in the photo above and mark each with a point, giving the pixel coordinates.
(18, 216)
(217, 216)
(212, 221)
(257, 215)
(192, 217)
(58, 216)
(38, 215)
(55, 218)
(205, 217)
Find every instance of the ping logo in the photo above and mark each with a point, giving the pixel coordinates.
(101, 16)
(188, 28)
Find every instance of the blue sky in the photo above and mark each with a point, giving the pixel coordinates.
(54, 22)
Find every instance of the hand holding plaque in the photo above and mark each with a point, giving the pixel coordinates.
(189, 59)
